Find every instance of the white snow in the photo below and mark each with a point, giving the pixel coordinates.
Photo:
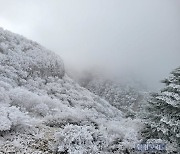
(42, 110)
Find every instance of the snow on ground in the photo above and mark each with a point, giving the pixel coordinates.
(42, 110)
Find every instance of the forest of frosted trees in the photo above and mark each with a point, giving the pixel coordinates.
(43, 110)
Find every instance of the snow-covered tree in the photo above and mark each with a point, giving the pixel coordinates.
(164, 111)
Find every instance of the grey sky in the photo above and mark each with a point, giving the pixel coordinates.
(138, 36)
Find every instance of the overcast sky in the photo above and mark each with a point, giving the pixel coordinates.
(140, 36)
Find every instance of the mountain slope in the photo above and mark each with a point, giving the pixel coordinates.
(42, 110)
(128, 96)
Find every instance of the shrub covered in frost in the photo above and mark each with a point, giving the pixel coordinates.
(80, 139)
(29, 101)
(11, 117)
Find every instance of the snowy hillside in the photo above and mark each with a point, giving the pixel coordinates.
(126, 95)
(44, 111)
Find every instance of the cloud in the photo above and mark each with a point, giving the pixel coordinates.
(137, 36)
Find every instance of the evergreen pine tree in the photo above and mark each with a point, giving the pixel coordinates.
(164, 111)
